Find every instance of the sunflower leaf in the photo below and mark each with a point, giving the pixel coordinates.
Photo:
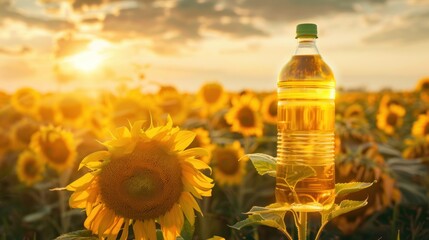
(345, 188)
(187, 232)
(257, 219)
(339, 209)
(296, 173)
(78, 235)
(264, 163)
(271, 215)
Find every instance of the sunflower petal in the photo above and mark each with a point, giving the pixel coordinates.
(94, 157)
(82, 182)
(184, 139)
(107, 222)
(187, 209)
(124, 235)
(187, 197)
(139, 233)
(194, 152)
(92, 215)
(150, 229)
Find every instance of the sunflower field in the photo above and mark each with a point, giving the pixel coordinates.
(134, 164)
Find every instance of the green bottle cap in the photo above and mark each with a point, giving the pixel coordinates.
(306, 30)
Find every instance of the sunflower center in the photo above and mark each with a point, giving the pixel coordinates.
(227, 162)
(246, 117)
(31, 168)
(71, 108)
(392, 119)
(55, 150)
(144, 184)
(212, 94)
(272, 110)
(425, 86)
(426, 129)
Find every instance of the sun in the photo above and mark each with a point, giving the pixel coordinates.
(91, 58)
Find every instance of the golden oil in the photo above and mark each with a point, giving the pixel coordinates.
(306, 123)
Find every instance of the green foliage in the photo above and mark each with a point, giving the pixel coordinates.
(78, 235)
(264, 163)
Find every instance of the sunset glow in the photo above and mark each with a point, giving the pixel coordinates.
(90, 59)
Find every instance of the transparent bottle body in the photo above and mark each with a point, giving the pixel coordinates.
(306, 123)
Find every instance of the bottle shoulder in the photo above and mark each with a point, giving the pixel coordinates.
(302, 67)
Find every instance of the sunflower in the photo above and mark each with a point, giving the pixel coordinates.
(416, 148)
(5, 142)
(29, 168)
(390, 118)
(26, 100)
(212, 97)
(202, 140)
(229, 166)
(72, 109)
(244, 117)
(130, 108)
(269, 108)
(354, 111)
(173, 104)
(47, 111)
(55, 146)
(22, 132)
(421, 126)
(145, 179)
(423, 89)
(366, 166)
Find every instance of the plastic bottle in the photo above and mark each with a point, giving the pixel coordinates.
(306, 123)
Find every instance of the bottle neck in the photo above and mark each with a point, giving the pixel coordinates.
(306, 46)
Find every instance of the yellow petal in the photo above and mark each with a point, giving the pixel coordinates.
(124, 235)
(106, 223)
(82, 182)
(187, 197)
(150, 229)
(184, 139)
(91, 215)
(94, 157)
(194, 152)
(187, 209)
(138, 231)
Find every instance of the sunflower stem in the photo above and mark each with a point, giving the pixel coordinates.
(63, 180)
(302, 226)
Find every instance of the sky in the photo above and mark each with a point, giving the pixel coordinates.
(97, 44)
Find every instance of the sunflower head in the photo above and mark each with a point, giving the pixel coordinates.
(423, 85)
(47, 112)
(71, 107)
(366, 166)
(29, 168)
(229, 164)
(173, 104)
(55, 146)
(269, 108)
(390, 118)
(130, 108)
(354, 111)
(5, 142)
(22, 132)
(145, 177)
(26, 100)
(416, 148)
(202, 140)
(212, 97)
(421, 126)
(244, 116)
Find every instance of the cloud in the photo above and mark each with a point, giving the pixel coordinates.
(68, 44)
(412, 27)
(294, 10)
(8, 12)
(21, 51)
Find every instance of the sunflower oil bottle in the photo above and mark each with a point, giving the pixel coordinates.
(306, 122)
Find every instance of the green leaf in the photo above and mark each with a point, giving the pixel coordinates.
(344, 207)
(187, 232)
(271, 215)
(264, 163)
(256, 219)
(296, 173)
(387, 150)
(345, 188)
(78, 235)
